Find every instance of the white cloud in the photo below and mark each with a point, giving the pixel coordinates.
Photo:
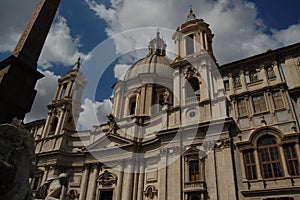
(60, 46)
(94, 113)
(239, 32)
(288, 36)
(14, 15)
(120, 70)
(46, 88)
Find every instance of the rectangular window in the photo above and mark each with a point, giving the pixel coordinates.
(194, 170)
(36, 181)
(203, 39)
(242, 109)
(292, 160)
(106, 195)
(189, 44)
(250, 165)
(64, 89)
(259, 103)
(237, 81)
(226, 85)
(278, 101)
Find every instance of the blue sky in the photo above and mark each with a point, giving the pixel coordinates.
(242, 28)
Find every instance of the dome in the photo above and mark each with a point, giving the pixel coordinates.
(152, 64)
(156, 62)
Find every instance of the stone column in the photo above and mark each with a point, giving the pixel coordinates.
(256, 158)
(148, 98)
(231, 84)
(61, 120)
(162, 182)
(244, 178)
(85, 178)
(120, 182)
(297, 150)
(136, 179)
(92, 183)
(128, 179)
(141, 181)
(243, 80)
(45, 131)
(283, 161)
(276, 71)
(45, 175)
(263, 75)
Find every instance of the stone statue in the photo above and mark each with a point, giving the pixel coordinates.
(166, 95)
(16, 156)
(56, 186)
(52, 189)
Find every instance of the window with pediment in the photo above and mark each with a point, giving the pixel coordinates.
(253, 76)
(270, 72)
(237, 81)
(259, 103)
(278, 100)
(242, 108)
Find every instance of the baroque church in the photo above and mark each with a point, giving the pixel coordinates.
(182, 129)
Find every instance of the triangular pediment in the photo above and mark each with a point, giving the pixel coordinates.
(108, 141)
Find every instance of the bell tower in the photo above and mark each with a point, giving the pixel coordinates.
(193, 37)
(196, 78)
(66, 104)
(18, 74)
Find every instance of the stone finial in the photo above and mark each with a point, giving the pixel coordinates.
(191, 16)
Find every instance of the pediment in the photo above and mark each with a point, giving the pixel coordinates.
(109, 140)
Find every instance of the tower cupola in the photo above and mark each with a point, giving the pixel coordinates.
(157, 46)
(193, 38)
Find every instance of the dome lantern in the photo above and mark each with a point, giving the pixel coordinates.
(157, 46)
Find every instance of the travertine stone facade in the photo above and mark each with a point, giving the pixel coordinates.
(190, 130)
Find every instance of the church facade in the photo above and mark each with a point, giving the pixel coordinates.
(182, 129)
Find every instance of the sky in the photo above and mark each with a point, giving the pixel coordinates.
(110, 35)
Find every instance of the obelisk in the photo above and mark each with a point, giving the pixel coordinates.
(18, 72)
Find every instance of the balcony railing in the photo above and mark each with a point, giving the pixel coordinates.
(192, 99)
(194, 186)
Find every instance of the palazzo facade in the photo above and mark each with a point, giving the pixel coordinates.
(182, 129)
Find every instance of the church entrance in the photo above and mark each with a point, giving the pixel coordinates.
(106, 195)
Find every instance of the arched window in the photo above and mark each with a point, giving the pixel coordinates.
(269, 157)
(253, 76)
(192, 87)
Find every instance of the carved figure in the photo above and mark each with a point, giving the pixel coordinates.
(166, 95)
(55, 187)
(16, 156)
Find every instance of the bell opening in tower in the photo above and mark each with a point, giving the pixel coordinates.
(189, 44)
